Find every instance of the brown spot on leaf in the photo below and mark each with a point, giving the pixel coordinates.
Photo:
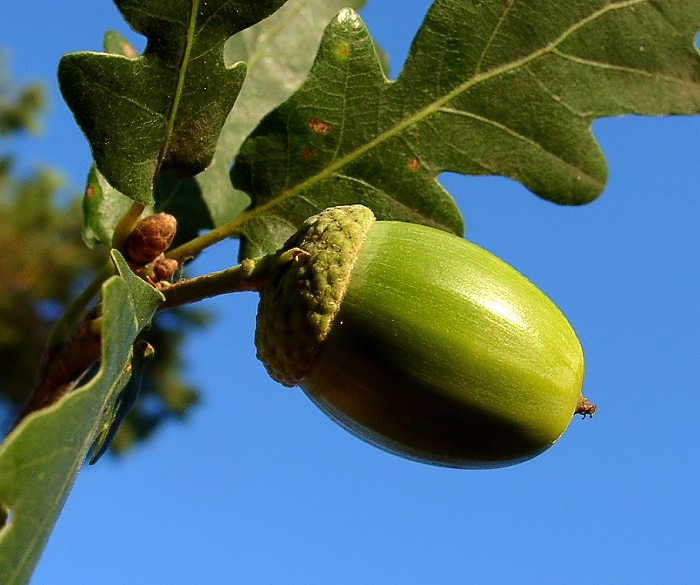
(307, 153)
(89, 191)
(318, 126)
(127, 50)
(342, 51)
(413, 164)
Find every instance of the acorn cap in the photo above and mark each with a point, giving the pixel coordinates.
(300, 301)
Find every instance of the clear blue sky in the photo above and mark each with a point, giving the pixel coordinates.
(258, 487)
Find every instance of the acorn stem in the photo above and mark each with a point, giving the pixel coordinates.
(189, 249)
(249, 275)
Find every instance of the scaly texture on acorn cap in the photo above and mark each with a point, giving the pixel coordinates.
(301, 299)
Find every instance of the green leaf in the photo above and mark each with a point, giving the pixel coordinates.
(145, 299)
(488, 88)
(103, 206)
(115, 44)
(143, 309)
(164, 109)
(279, 52)
(118, 405)
(40, 459)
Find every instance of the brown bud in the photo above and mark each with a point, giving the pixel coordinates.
(144, 350)
(150, 238)
(164, 268)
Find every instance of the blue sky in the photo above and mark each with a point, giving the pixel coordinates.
(258, 487)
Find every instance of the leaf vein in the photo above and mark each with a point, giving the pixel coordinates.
(489, 41)
(182, 70)
(518, 136)
(207, 20)
(557, 98)
(613, 67)
(433, 107)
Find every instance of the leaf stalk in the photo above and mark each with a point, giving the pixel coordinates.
(126, 225)
(191, 248)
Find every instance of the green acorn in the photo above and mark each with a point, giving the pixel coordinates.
(420, 342)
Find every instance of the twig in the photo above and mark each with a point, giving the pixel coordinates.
(65, 323)
(195, 245)
(249, 275)
(63, 369)
(64, 366)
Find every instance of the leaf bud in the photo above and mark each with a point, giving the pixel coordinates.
(150, 238)
(165, 268)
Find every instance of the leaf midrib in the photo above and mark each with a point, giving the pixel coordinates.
(428, 110)
(182, 73)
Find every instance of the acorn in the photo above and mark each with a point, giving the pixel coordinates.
(420, 342)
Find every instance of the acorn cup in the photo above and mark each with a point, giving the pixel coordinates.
(420, 342)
